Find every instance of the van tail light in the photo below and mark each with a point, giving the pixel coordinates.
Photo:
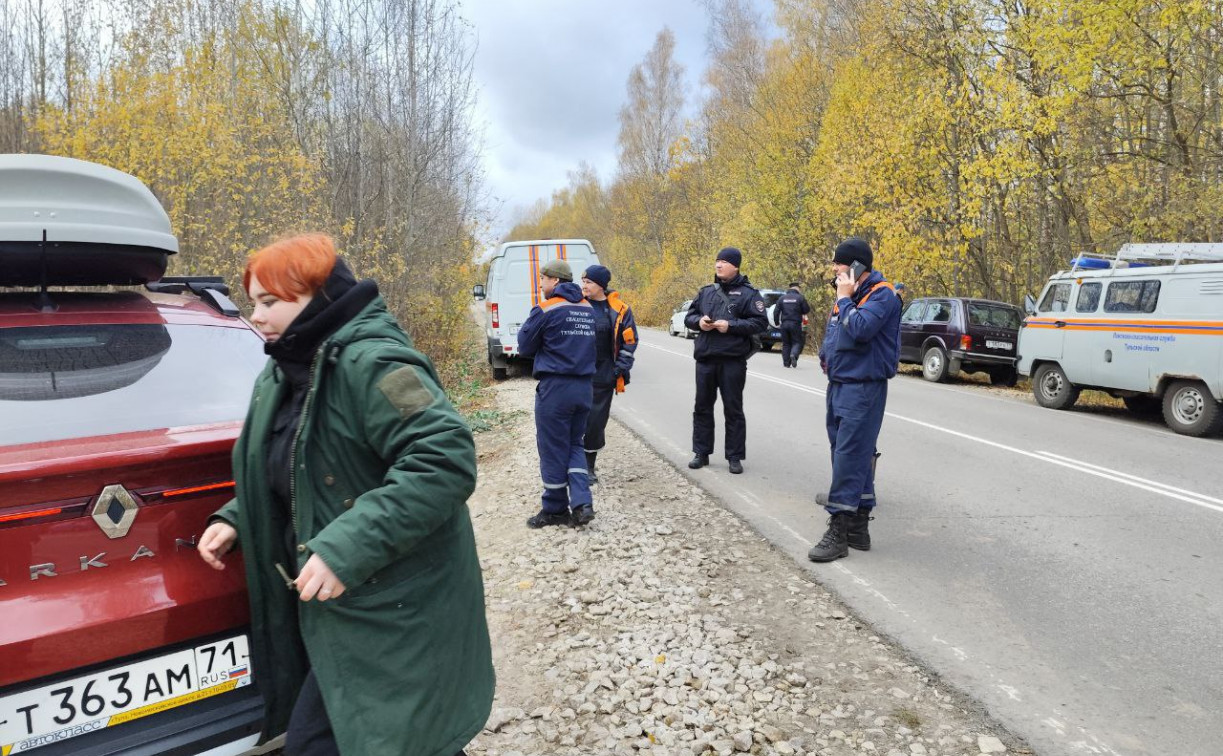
(966, 342)
(496, 313)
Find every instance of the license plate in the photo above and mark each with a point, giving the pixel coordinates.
(67, 709)
(999, 344)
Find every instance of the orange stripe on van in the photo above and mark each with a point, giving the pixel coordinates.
(533, 256)
(562, 252)
(1108, 325)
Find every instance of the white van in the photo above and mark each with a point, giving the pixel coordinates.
(1145, 325)
(513, 289)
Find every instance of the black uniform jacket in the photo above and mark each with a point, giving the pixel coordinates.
(746, 315)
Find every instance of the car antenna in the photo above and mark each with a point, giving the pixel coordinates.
(44, 300)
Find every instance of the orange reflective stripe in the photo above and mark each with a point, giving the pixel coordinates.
(836, 308)
(533, 252)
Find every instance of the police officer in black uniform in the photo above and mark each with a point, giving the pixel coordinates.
(726, 315)
(789, 312)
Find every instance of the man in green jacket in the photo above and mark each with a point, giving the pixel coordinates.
(368, 631)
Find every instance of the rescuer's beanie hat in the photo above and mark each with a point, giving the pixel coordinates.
(853, 250)
(598, 274)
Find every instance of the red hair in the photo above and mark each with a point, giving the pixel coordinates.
(293, 266)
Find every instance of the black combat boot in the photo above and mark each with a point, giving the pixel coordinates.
(736, 467)
(544, 519)
(857, 535)
(699, 461)
(590, 467)
(833, 545)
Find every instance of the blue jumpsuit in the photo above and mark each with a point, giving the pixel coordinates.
(859, 353)
(560, 335)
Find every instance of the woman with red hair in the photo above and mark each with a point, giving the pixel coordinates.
(368, 632)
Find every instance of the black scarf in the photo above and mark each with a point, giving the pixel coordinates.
(338, 301)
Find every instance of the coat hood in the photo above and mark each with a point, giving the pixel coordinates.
(568, 291)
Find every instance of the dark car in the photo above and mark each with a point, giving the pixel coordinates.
(119, 408)
(948, 334)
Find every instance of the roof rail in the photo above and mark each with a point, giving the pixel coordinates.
(1142, 255)
(1172, 252)
(211, 289)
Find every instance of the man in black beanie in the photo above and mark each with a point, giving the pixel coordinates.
(615, 345)
(859, 356)
(726, 314)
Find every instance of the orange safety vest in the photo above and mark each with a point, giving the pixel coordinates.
(630, 337)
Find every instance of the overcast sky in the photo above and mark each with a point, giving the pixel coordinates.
(552, 77)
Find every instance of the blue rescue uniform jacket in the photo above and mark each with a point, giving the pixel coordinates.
(560, 334)
(862, 342)
(745, 316)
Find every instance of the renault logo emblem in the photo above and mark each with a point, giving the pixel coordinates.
(115, 511)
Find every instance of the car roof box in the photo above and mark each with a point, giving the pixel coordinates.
(66, 222)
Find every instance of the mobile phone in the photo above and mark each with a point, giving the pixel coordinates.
(856, 269)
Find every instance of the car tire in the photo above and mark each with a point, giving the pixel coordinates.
(1190, 410)
(1052, 388)
(1003, 377)
(934, 364)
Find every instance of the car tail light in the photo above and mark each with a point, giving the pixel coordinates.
(35, 514)
(805, 320)
(496, 313)
(966, 342)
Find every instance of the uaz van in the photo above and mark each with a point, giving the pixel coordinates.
(1145, 325)
(513, 289)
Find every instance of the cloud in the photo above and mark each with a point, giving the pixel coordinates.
(552, 77)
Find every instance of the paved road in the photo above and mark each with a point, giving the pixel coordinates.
(1063, 568)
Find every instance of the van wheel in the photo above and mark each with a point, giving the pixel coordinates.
(1142, 404)
(1191, 410)
(1003, 377)
(934, 364)
(1052, 389)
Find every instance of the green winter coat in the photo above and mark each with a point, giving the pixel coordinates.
(383, 467)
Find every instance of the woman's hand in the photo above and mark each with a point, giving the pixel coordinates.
(216, 542)
(316, 578)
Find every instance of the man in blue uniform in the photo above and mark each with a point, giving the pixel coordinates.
(726, 315)
(615, 343)
(789, 312)
(560, 334)
(859, 355)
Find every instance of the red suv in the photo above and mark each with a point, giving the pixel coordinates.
(118, 411)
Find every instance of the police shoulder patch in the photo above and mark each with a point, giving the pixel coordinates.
(406, 392)
(759, 305)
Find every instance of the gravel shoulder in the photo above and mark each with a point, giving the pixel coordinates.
(669, 627)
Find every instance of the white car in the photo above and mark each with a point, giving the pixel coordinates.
(677, 327)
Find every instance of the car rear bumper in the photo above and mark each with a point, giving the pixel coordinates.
(981, 358)
(226, 725)
(773, 335)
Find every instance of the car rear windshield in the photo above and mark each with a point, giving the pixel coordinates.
(59, 382)
(996, 316)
